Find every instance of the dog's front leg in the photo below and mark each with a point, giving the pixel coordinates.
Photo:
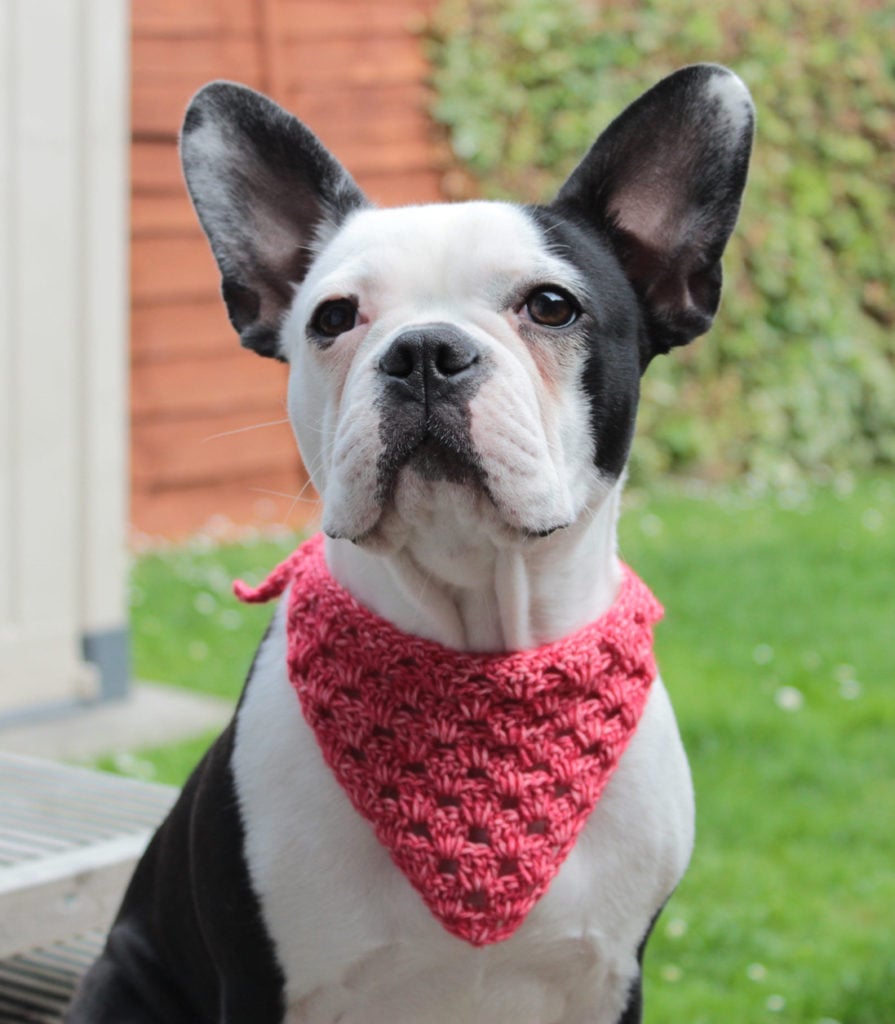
(189, 945)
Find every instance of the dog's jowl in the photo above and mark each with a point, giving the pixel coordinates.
(453, 791)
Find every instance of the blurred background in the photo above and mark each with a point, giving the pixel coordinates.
(145, 458)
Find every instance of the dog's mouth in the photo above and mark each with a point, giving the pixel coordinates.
(432, 456)
(432, 460)
(435, 459)
(409, 475)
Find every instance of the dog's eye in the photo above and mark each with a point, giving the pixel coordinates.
(551, 308)
(334, 317)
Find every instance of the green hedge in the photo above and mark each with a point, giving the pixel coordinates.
(798, 373)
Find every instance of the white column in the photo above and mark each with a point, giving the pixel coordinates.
(63, 347)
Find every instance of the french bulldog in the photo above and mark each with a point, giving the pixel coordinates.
(463, 385)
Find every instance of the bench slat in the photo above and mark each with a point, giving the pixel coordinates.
(36, 987)
(69, 840)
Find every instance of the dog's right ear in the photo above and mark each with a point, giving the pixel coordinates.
(266, 191)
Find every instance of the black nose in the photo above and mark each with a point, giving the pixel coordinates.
(430, 361)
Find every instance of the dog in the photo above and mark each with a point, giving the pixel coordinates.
(464, 380)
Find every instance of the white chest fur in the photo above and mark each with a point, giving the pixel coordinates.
(355, 941)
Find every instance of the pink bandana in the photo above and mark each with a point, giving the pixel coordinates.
(476, 771)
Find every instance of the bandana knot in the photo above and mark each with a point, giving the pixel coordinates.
(476, 771)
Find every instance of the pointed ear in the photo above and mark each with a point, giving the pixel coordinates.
(663, 183)
(266, 191)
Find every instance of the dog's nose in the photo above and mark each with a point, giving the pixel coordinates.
(429, 360)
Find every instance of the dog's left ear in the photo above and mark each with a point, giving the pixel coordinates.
(266, 191)
(663, 183)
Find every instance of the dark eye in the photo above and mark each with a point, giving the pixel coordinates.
(551, 308)
(334, 317)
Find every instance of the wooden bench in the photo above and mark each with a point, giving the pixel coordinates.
(69, 839)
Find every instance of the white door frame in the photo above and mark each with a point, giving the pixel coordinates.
(64, 135)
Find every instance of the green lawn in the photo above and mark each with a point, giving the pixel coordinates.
(778, 648)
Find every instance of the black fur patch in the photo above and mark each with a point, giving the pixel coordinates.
(616, 343)
(189, 945)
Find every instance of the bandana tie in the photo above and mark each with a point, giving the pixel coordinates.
(476, 771)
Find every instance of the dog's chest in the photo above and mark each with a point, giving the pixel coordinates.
(357, 944)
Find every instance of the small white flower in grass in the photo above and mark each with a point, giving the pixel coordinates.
(651, 525)
(827, 1020)
(675, 928)
(843, 672)
(756, 972)
(218, 579)
(788, 698)
(775, 1004)
(198, 650)
(135, 767)
(794, 497)
(218, 526)
(671, 972)
(849, 689)
(872, 520)
(230, 619)
(763, 654)
(204, 603)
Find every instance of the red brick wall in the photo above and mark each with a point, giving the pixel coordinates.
(356, 72)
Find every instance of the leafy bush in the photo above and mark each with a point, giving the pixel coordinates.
(799, 371)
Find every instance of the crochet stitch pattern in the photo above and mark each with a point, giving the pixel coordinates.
(476, 771)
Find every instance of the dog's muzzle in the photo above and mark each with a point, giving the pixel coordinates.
(428, 375)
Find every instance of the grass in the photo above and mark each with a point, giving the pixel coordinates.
(777, 648)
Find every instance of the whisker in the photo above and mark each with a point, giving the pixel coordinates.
(242, 430)
(300, 498)
(283, 494)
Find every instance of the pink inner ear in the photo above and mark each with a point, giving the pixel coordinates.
(663, 246)
(647, 213)
(666, 179)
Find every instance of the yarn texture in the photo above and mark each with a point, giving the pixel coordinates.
(476, 771)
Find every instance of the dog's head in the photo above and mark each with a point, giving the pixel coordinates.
(477, 362)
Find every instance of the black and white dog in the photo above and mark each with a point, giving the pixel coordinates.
(474, 505)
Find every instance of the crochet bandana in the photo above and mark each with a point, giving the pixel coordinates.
(476, 771)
